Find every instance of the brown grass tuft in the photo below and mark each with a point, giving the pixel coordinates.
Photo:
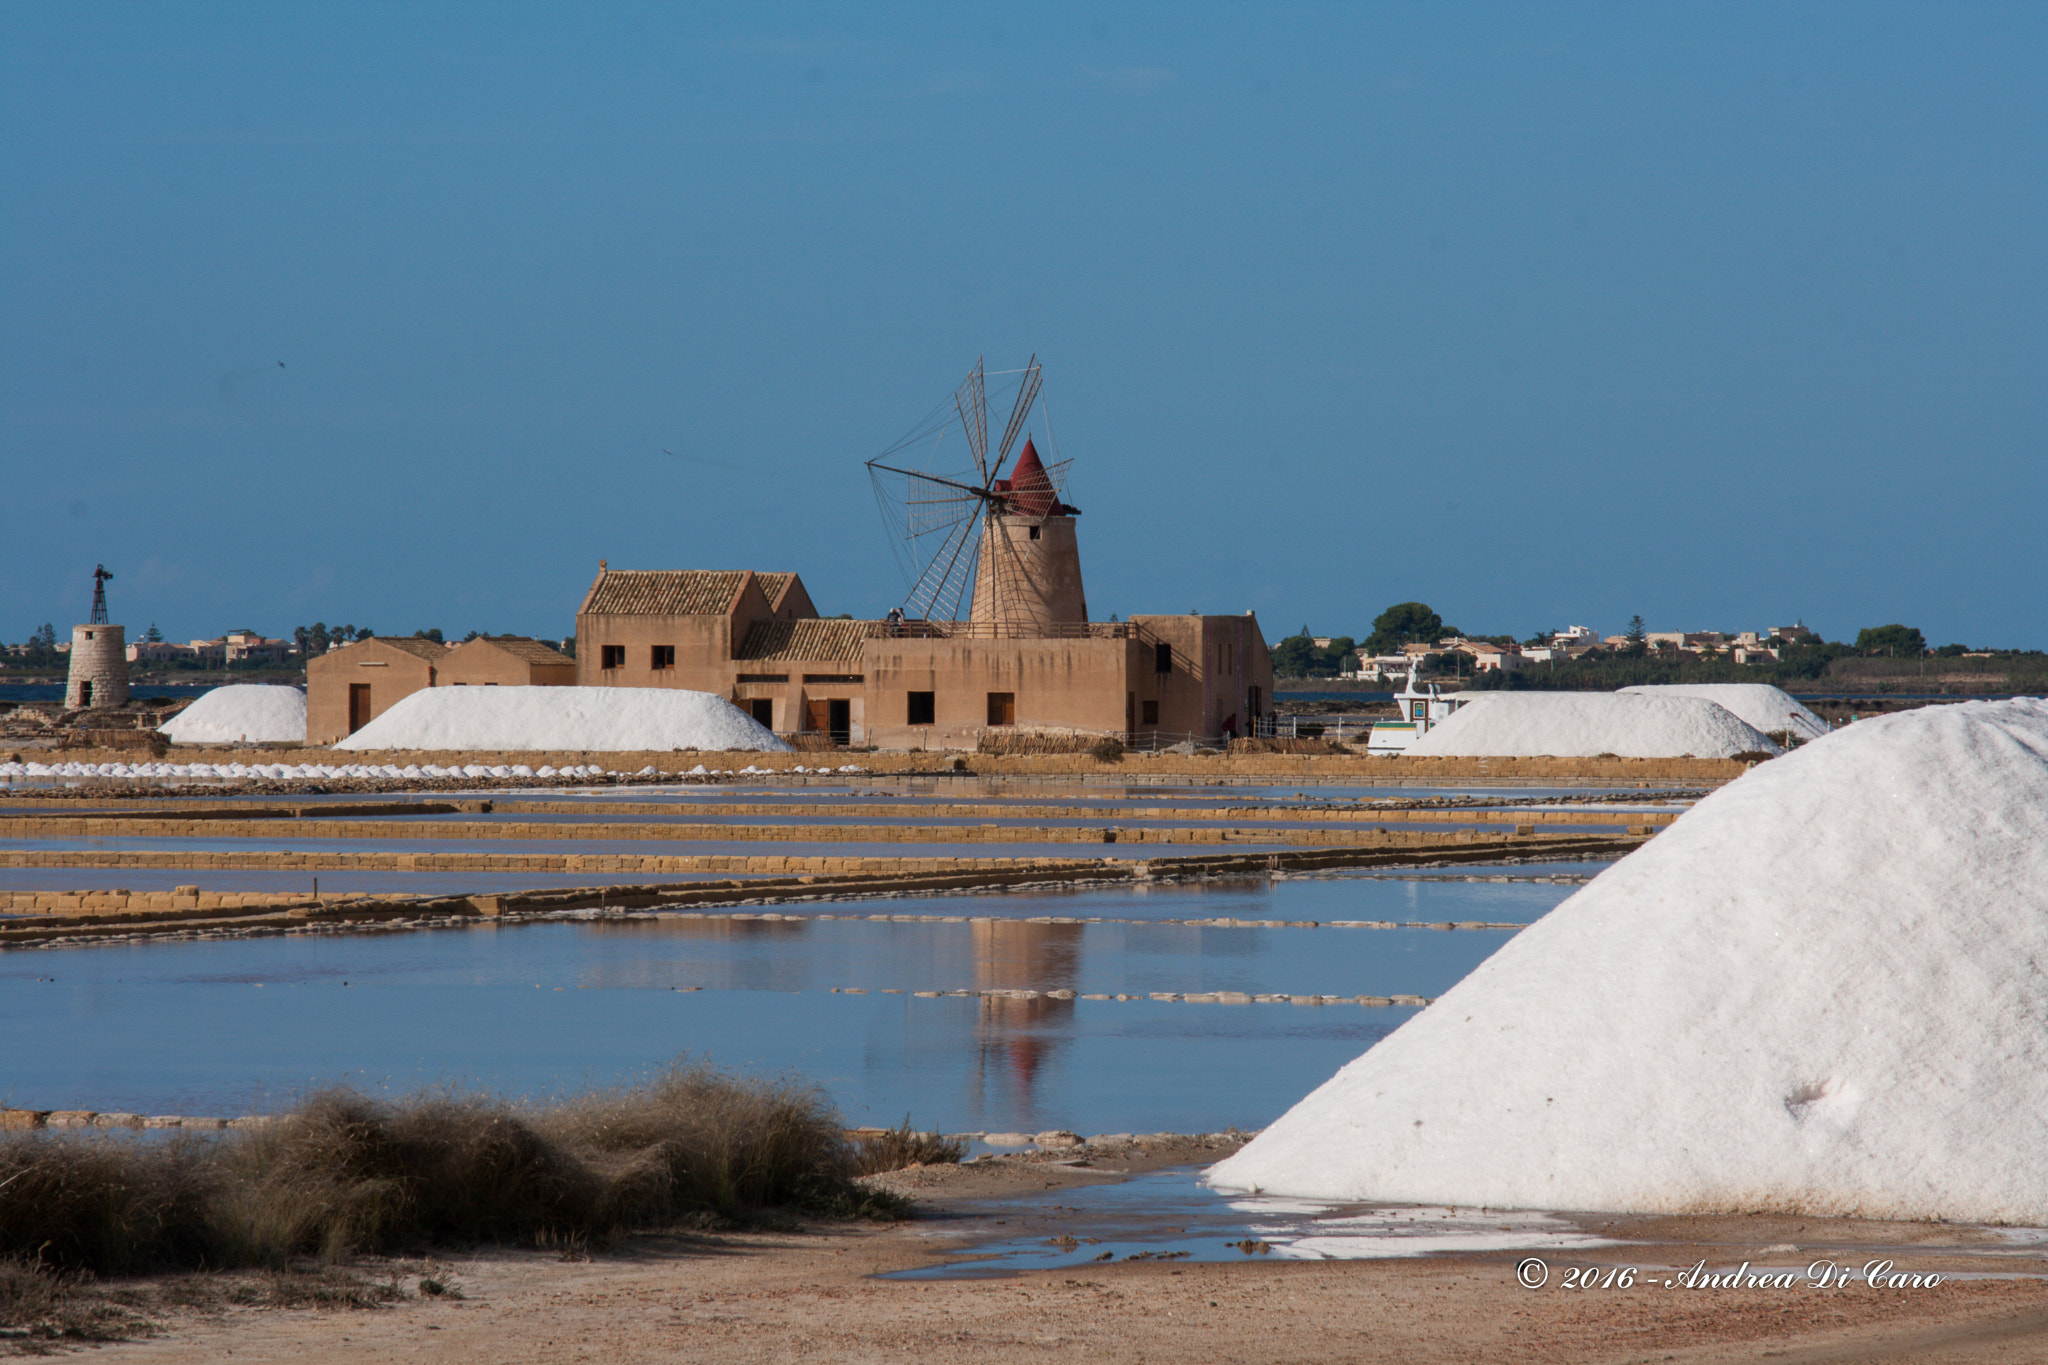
(344, 1173)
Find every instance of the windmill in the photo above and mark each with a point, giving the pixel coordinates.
(977, 529)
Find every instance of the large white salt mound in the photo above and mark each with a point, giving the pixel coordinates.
(1768, 708)
(1823, 990)
(255, 712)
(1588, 724)
(595, 718)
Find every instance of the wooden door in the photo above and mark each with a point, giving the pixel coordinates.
(1002, 708)
(817, 715)
(358, 706)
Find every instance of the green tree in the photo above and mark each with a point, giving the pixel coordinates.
(1638, 637)
(1404, 623)
(153, 635)
(1294, 656)
(1896, 641)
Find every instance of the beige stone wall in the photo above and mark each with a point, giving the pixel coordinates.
(1217, 662)
(1029, 573)
(392, 675)
(99, 656)
(472, 664)
(1078, 684)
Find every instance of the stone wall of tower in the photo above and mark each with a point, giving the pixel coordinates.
(1030, 573)
(99, 667)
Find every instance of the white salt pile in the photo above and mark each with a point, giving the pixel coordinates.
(1824, 990)
(556, 718)
(1768, 708)
(1589, 724)
(228, 715)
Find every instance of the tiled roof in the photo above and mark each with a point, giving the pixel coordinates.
(529, 650)
(804, 641)
(665, 592)
(414, 644)
(773, 585)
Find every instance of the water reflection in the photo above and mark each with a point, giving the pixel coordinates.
(1017, 1037)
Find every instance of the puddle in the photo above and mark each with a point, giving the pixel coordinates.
(1169, 1215)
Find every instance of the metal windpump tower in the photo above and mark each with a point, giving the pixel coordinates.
(1010, 540)
(99, 594)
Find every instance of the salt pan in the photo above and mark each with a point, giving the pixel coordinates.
(1589, 724)
(244, 711)
(1768, 708)
(1823, 990)
(557, 718)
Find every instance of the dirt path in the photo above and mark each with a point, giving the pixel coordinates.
(812, 1295)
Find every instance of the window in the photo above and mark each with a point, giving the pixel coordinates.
(1162, 658)
(834, 678)
(662, 656)
(923, 709)
(1151, 713)
(1034, 532)
(614, 656)
(764, 677)
(1002, 708)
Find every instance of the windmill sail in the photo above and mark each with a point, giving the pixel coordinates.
(939, 522)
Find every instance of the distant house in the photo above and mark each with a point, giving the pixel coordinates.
(1488, 658)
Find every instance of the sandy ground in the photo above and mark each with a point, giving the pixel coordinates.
(812, 1295)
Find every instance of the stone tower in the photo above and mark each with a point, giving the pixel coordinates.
(99, 656)
(1029, 577)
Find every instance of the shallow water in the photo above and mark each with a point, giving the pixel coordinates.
(1171, 1215)
(236, 1025)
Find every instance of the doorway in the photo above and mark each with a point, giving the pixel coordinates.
(85, 694)
(830, 717)
(358, 706)
(764, 711)
(1002, 708)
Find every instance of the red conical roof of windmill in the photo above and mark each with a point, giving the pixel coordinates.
(1030, 487)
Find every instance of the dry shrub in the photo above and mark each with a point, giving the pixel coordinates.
(343, 1174)
(104, 1204)
(693, 1141)
(894, 1148)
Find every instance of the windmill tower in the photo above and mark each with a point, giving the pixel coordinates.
(1010, 539)
(99, 655)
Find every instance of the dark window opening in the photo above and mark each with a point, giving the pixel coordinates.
(613, 656)
(764, 677)
(1151, 713)
(1034, 532)
(1002, 708)
(1162, 658)
(923, 709)
(662, 656)
(835, 678)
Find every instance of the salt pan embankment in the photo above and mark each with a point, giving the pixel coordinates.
(1588, 725)
(1824, 990)
(230, 715)
(1770, 709)
(557, 719)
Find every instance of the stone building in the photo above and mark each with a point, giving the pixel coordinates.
(1027, 656)
(99, 666)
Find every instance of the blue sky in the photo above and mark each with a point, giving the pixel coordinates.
(1543, 314)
